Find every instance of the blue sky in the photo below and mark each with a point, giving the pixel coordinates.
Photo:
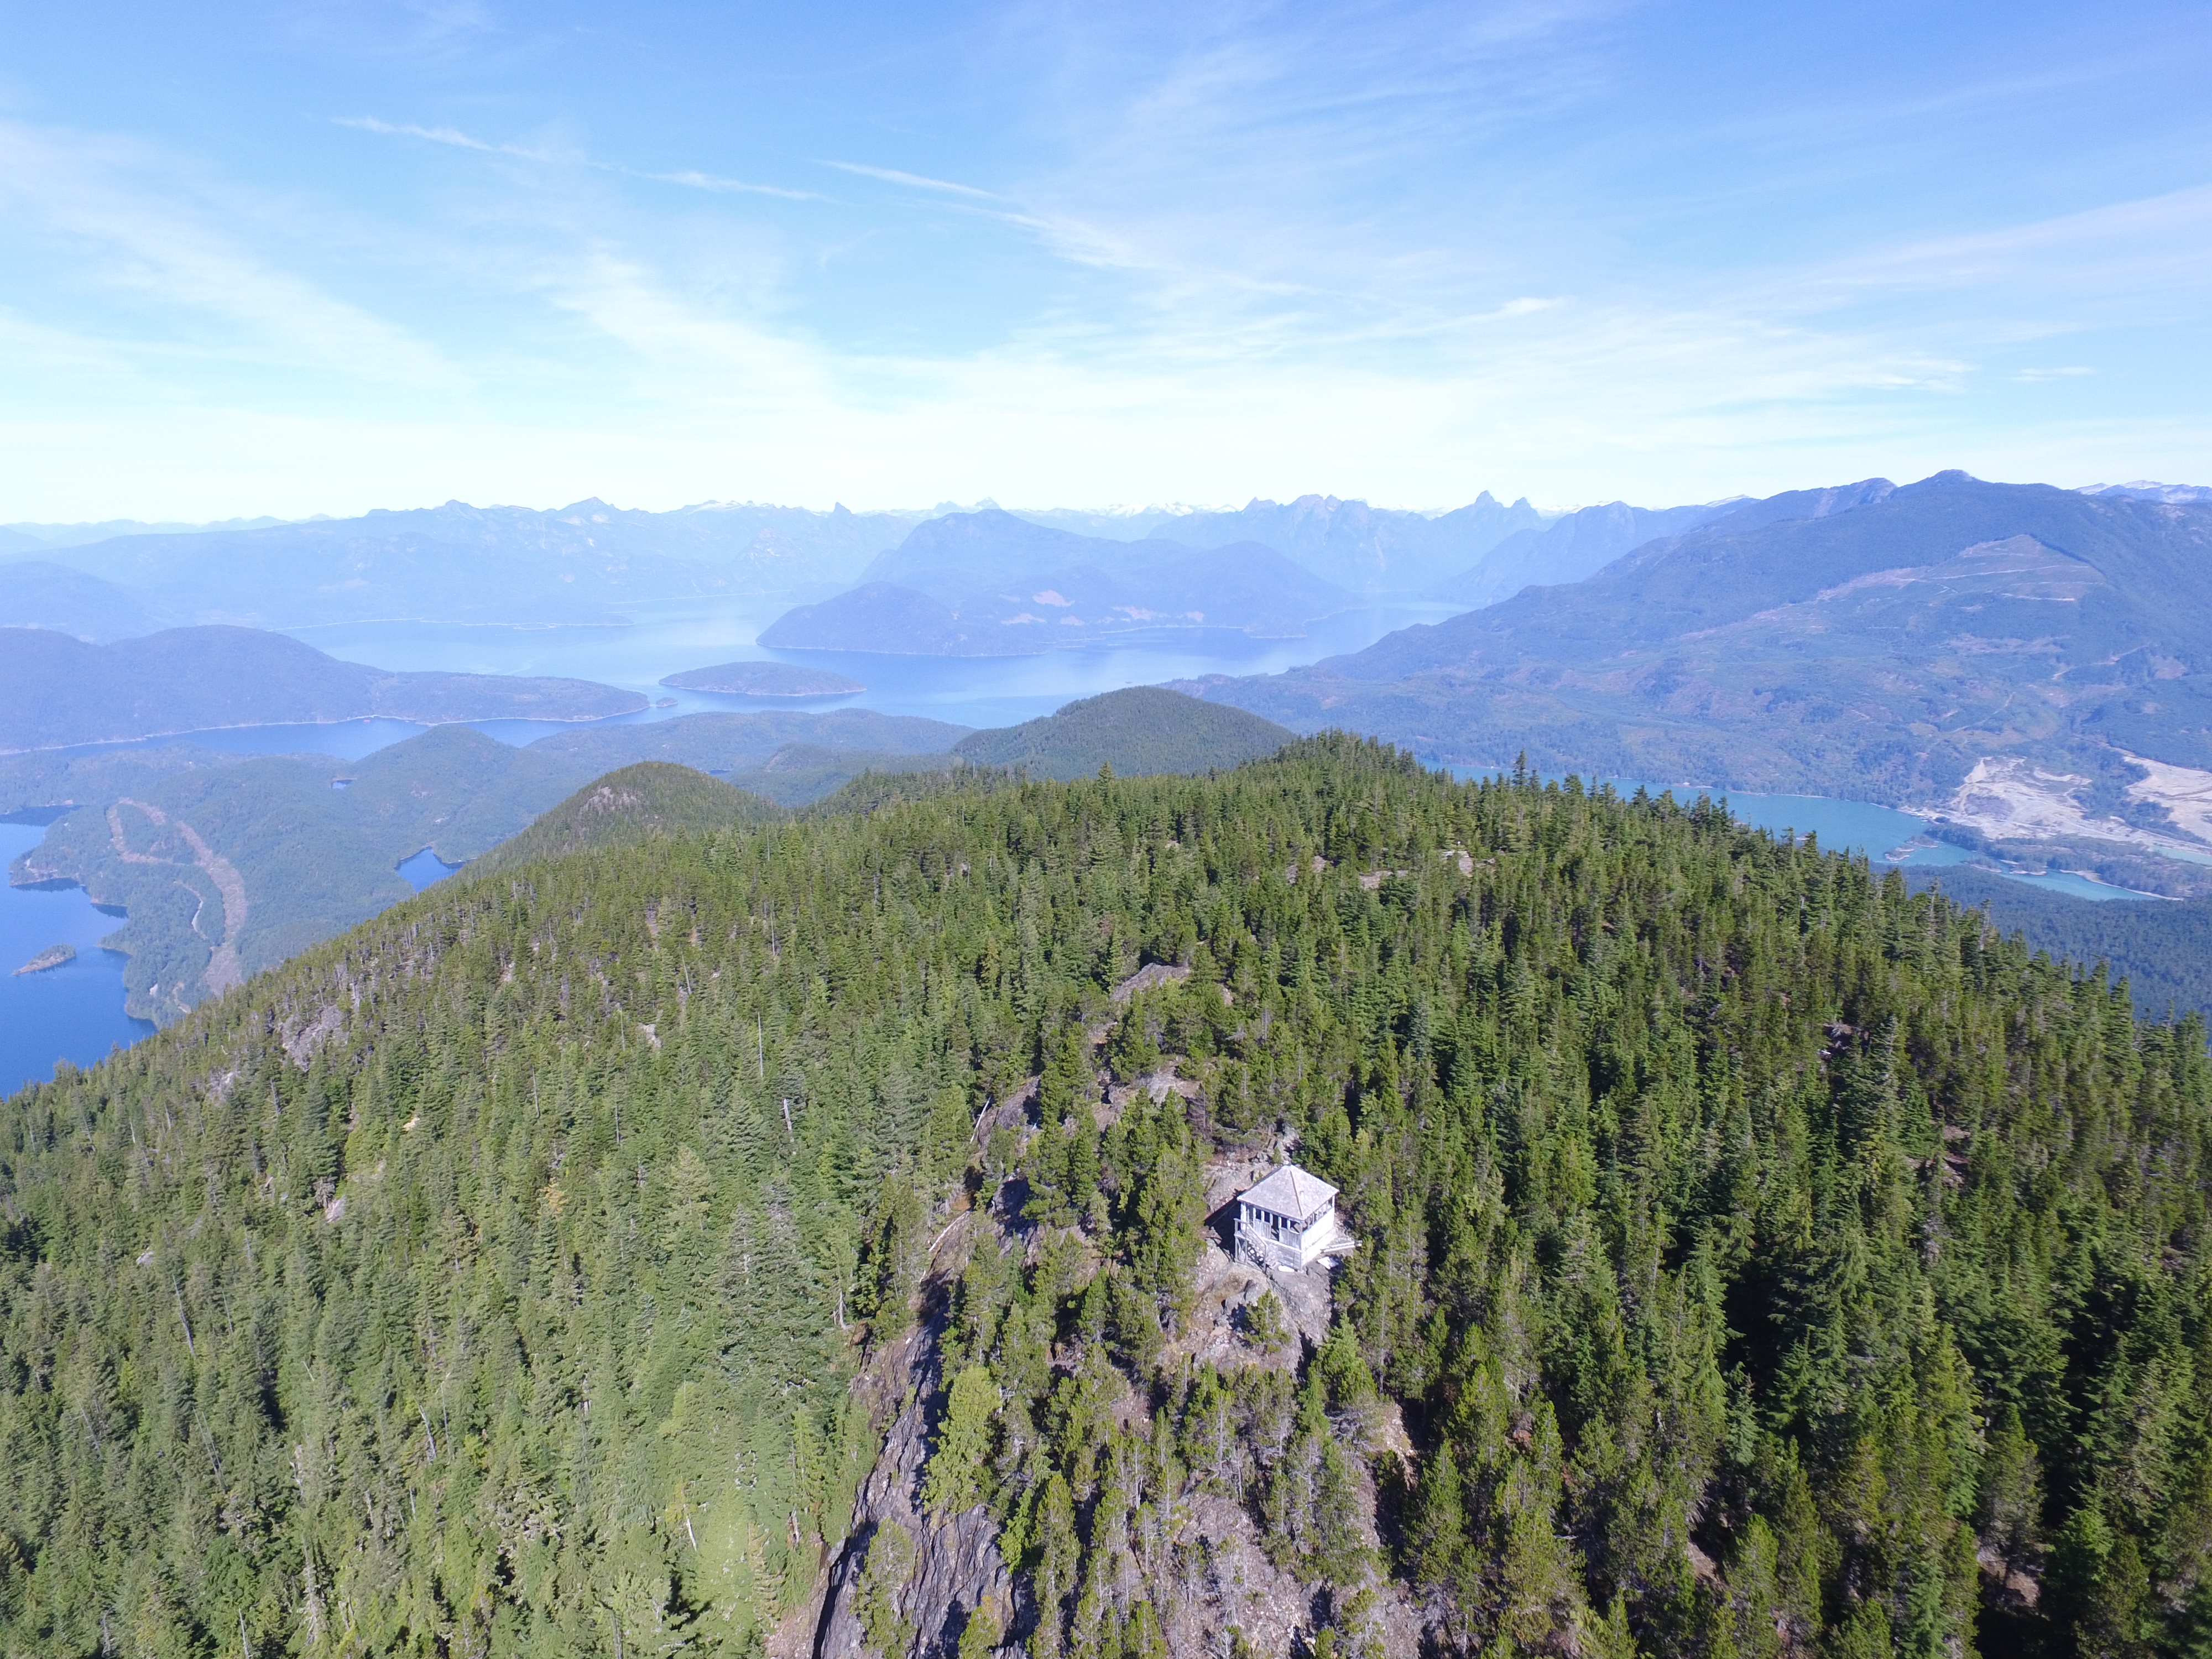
(291, 258)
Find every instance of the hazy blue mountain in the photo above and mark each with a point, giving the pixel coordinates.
(583, 563)
(993, 584)
(1143, 730)
(49, 536)
(37, 593)
(1108, 524)
(1868, 641)
(55, 690)
(738, 742)
(587, 562)
(1366, 549)
(1570, 548)
(894, 621)
(2143, 490)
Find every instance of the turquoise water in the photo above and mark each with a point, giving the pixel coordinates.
(1845, 824)
(1863, 829)
(1852, 826)
(73, 1012)
(2065, 881)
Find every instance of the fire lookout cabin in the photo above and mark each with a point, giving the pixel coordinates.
(1288, 1221)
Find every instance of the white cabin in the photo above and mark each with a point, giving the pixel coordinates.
(1289, 1221)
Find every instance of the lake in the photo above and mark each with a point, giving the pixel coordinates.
(73, 1012)
(424, 869)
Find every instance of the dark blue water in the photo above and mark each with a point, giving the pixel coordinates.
(73, 1012)
(424, 868)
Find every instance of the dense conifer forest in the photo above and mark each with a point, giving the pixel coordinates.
(1754, 1258)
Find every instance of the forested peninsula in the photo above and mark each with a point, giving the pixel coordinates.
(783, 1239)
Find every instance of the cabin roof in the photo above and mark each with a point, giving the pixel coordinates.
(1291, 1191)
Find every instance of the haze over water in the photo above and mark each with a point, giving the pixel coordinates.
(670, 636)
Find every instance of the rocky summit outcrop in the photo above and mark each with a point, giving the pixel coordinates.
(909, 1583)
(956, 1566)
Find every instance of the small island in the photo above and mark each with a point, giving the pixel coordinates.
(765, 679)
(54, 956)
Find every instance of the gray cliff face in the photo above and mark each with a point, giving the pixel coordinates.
(1203, 1560)
(957, 1566)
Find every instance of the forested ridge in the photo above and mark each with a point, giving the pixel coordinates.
(1754, 1257)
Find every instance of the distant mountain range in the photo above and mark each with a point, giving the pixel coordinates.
(581, 563)
(29, 535)
(1368, 549)
(993, 585)
(1575, 545)
(592, 563)
(55, 690)
(2012, 656)
(2144, 489)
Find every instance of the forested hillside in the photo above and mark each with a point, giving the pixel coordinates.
(1754, 1258)
(628, 805)
(1139, 729)
(2164, 952)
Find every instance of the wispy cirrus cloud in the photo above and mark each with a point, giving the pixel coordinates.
(452, 137)
(132, 228)
(1403, 248)
(915, 180)
(2114, 249)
